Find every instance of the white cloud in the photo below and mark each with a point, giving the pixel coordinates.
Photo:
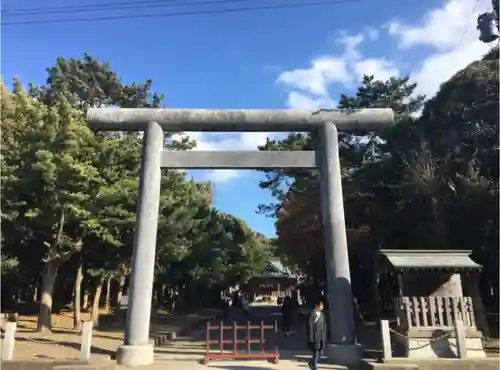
(316, 79)
(302, 101)
(223, 176)
(448, 35)
(447, 38)
(380, 67)
(372, 33)
(442, 28)
(308, 87)
(439, 67)
(450, 32)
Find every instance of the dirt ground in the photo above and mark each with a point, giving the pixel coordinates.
(64, 342)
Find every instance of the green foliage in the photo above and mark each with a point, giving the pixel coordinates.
(88, 83)
(69, 195)
(431, 181)
(48, 178)
(297, 210)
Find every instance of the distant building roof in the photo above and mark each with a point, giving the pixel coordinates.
(275, 268)
(430, 259)
(279, 267)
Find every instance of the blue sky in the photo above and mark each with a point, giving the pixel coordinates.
(297, 57)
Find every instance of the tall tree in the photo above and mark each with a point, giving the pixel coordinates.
(48, 180)
(87, 82)
(431, 181)
(71, 195)
(297, 210)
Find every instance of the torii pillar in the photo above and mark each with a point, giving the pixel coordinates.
(342, 349)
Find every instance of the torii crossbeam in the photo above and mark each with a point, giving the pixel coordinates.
(342, 348)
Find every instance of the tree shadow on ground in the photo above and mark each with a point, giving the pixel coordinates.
(93, 350)
(240, 367)
(28, 329)
(175, 351)
(161, 322)
(299, 357)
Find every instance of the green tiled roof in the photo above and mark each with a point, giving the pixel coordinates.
(275, 268)
(278, 266)
(430, 259)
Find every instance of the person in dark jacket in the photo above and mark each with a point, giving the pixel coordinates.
(245, 302)
(286, 311)
(316, 334)
(226, 306)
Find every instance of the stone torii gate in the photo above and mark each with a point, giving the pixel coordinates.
(342, 348)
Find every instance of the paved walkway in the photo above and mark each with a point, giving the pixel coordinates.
(186, 353)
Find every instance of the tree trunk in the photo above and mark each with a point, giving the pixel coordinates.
(108, 294)
(95, 302)
(85, 303)
(34, 295)
(158, 296)
(162, 295)
(49, 275)
(440, 225)
(77, 299)
(119, 295)
(155, 294)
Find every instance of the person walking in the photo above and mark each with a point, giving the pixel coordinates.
(236, 299)
(226, 306)
(245, 306)
(316, 333)
(286, 311)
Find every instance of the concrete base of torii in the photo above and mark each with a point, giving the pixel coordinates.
(135, 355)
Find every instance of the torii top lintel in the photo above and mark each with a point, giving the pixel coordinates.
(238, 120)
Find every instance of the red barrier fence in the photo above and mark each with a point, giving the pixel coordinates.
(233, 352)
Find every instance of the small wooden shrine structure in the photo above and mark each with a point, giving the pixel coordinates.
(275, 281)
(426, 290)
